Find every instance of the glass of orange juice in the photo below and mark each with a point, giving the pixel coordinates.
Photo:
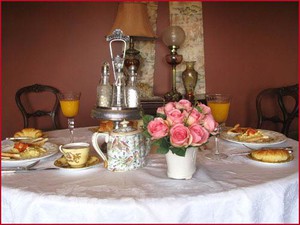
(69, 103)
(219, 105)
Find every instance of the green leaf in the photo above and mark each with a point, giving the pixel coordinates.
(146, 134)
(163, 116)
(178, 151)
(147, 119)
(165, 142)
(198, 108)
(163, 145)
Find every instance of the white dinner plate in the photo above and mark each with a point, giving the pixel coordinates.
(276, 138)
(7, 145)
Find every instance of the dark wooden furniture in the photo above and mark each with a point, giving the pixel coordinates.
(23, 102)
(285, 103)
(150, 105)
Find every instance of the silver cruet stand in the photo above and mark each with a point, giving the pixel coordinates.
(119, 109)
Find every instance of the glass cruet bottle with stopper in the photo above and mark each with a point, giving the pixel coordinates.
(104, 89)
(133, 98)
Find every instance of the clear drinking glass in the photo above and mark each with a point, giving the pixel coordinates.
(219, 105)
(69, 103)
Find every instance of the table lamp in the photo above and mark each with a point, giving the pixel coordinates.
(173, 37)
(132, 18)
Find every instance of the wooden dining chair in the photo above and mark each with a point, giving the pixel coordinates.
(279, 106)
(38, 101)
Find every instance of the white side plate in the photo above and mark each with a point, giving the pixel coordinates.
(7, 145)
(277, 138)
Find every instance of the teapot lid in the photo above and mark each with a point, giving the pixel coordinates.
(125, 129)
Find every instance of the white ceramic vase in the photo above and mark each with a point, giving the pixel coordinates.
(182, 167)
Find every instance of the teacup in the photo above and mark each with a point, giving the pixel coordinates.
(76, 154)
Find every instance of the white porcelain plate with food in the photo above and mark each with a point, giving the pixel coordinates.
(7, 146)
(273, 138)
(62, 163)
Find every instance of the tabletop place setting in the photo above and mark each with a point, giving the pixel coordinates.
(134, 165)
(179, 130)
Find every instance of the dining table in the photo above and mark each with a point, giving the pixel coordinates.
(232, 190)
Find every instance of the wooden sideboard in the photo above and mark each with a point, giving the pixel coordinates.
(150, 105)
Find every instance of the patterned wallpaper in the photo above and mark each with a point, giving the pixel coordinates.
(188, 15)
(147, 52)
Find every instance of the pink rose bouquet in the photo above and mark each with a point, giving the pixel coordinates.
(179, 125)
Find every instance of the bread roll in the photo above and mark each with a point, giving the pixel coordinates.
(108, 125)
(105, 126)
(270, 155)
(29, 132)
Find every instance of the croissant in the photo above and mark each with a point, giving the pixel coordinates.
(29, 132)
(270, 155)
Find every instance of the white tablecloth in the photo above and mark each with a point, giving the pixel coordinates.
(235, 190)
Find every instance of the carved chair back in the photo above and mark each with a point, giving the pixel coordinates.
(24, 103)
(285, 103)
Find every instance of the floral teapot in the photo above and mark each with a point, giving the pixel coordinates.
(127, 148)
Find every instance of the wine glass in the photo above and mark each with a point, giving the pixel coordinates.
(219, 105)
(69, 103)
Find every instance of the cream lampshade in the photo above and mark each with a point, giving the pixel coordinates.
(132, 18)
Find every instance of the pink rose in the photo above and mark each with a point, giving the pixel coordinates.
(184, 104)
(193, 116)
(200, 135)
(175, 116)
(158, 128)
(204, 108)
(209, 123)
(180, 136)
(169, 107)
(160, 110)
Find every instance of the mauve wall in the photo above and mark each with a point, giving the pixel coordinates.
(248, 46)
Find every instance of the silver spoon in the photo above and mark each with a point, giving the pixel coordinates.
(25, 139)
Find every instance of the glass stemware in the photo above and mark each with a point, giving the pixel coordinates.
(69, 103)
(219, 105)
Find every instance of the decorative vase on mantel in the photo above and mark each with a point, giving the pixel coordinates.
(182, 167)
(189, 78)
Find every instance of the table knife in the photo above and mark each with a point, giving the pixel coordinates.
(239, 153)
(24, 169)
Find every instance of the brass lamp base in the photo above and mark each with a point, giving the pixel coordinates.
(173, 96)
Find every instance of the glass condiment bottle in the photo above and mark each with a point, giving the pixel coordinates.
(133, 98)
(104, 89)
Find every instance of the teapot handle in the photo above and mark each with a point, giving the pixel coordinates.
(97, 148)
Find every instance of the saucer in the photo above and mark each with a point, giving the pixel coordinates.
(91, 162)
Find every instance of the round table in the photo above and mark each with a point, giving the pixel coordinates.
(234, 190)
